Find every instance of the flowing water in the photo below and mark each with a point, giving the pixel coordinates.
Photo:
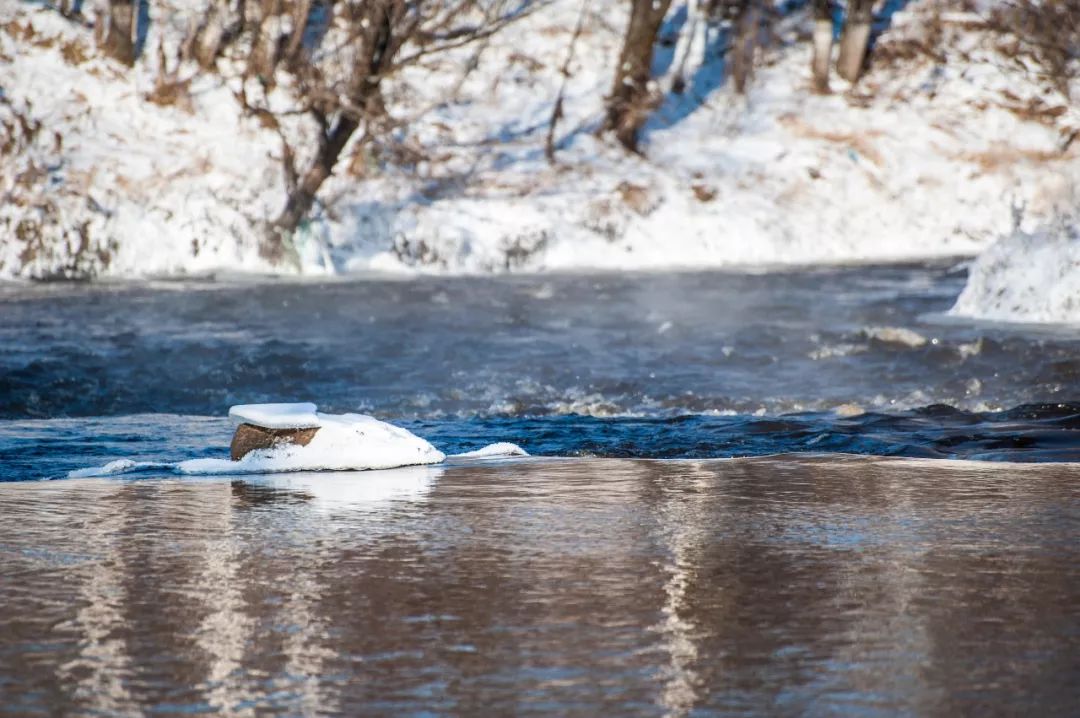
(664, 366)
(810, 582)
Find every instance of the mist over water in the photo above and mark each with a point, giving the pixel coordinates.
(857, 359)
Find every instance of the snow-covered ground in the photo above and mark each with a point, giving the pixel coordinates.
(927, 156)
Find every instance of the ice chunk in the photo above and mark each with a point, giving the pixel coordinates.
(896, 335)
(1027, 278)
(502, 448)
(277, 416)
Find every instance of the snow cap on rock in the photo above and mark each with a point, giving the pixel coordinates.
(300, 415)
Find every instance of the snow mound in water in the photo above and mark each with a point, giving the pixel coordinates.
(1026, 278)
(343, 442)
(277, 416)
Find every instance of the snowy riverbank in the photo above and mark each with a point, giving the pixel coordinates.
(925, 157)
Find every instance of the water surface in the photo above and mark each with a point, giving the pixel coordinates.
(783, 586)
(694, 365)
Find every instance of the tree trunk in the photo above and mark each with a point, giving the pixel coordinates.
(630, 101)
(302, 197)
(118, 42)
(823, 42)
(364, 103)
(855, 38)
(301, 14)
(263, 60)
(209, 37)
(744, 46)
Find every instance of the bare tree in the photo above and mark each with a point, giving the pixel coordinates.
(223, 22)
(631, 99)
(823, 42)
(855, 38)
(744, 42)
(341, 90)
(116, 36)
(1045, 33)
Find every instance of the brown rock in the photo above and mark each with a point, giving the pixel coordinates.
(249, 437)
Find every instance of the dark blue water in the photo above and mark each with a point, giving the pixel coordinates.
(856, 360)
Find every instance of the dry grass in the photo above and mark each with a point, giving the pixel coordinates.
(74, 52)
(1042, 37)
(171, 92)
(1033, 109)
(637, 197)
(1001, 155)
(860, 142)
(703, 192)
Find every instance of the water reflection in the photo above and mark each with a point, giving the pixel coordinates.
(371, 491)
(816, 585)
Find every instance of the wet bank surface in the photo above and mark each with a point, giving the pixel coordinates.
(777, 586)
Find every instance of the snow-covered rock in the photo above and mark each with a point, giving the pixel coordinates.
(1026, 278)
(343, 441)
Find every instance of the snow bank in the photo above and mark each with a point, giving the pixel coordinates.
(1026, 278)
(924, 157)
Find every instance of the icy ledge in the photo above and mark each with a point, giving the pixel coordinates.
(1026, 278)
(344, 442)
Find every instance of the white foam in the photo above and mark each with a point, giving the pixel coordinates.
(118, 467)
(302, 415)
